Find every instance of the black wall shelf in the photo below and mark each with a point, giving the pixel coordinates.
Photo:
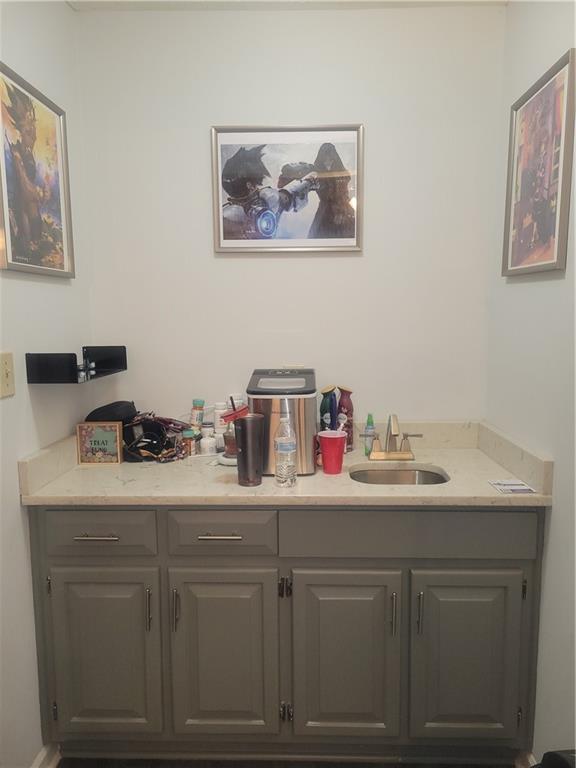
(63, 367)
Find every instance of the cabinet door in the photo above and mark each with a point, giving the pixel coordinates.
(346, 652)
(225, 650)
(106, 632)
(465, 653)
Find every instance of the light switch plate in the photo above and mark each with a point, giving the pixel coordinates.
(7, 388)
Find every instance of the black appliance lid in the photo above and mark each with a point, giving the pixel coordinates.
(282, 382)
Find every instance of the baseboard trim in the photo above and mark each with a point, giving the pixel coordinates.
(525, 760)
(48, 757)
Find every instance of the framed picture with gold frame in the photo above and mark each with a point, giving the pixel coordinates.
(99, 442)
(35, 217)
(540, 173)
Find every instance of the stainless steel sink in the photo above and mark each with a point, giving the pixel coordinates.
(398, 475)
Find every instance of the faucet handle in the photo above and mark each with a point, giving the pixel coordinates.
(405, 444)
(376, 444)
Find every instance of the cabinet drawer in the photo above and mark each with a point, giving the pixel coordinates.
(222, 532)
(101, 532)
(408, 533)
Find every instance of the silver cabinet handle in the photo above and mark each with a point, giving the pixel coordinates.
(394, 600)
(148, 609)
(175, 609)
(216, 537)
(89, 537)
(420, 616)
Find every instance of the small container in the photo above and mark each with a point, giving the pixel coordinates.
(208, 446)
(219, 423)
(207, 430)
(230, 441)
(189, 441)
(197, 415)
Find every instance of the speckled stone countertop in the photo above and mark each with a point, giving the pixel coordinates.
(200, 481)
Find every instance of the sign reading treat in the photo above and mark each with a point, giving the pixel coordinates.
(99, 442)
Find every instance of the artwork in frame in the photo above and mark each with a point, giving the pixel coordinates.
(35, 220)
(540, 173)
(99, 442)
(287, 189)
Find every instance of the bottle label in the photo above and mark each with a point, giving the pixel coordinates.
(287, 447)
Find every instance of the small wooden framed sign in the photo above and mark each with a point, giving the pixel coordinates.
(99, 442)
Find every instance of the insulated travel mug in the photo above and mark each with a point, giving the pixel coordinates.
(250, 448)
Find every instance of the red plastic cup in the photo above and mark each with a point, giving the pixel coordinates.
(332, 447)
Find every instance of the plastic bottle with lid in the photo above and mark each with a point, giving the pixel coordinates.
(197, 415)
(285, 454)
(208, 441)
(369, 433)
(219, 411)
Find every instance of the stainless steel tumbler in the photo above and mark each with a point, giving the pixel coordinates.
(250, 448)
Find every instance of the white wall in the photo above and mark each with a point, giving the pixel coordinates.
(407, 323)
(531, 381)
(141, 91)
(38, 314)
(140, 95)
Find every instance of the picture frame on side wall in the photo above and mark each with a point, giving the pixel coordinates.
(287, 189)
(35, 217)
(540, 173)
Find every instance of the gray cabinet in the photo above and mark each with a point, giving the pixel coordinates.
(346, 660)
(391, 633)
(465, 641)
(106, 647)
(225, 650)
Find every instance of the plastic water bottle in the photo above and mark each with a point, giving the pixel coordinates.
(285, 454)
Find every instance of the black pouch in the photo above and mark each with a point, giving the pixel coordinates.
(121, 410)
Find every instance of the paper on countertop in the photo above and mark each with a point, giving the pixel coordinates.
(511, 486)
